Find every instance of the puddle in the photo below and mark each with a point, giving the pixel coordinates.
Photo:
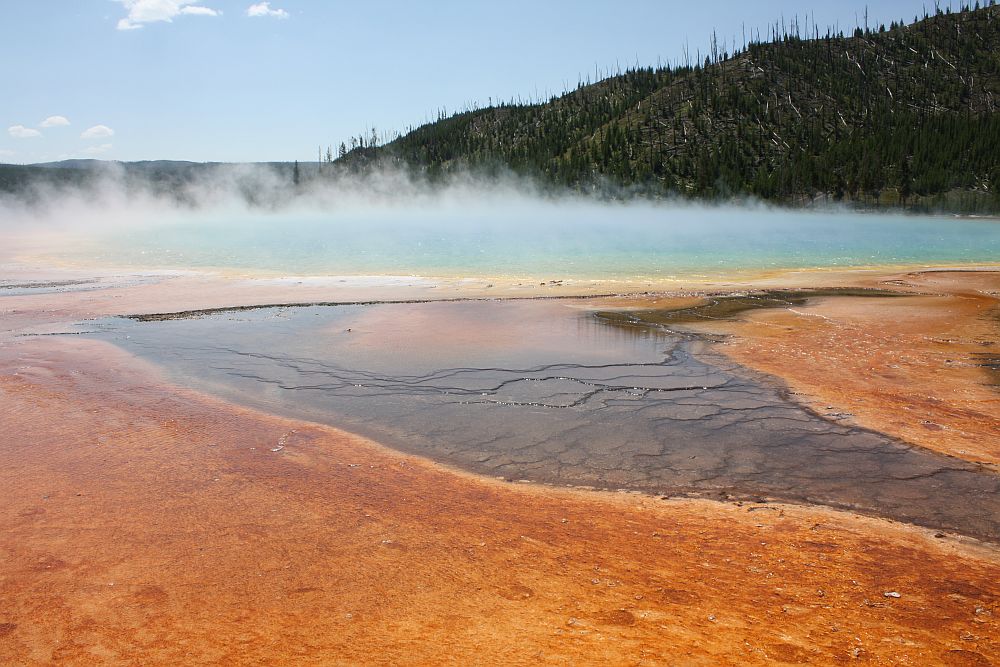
(537, 391)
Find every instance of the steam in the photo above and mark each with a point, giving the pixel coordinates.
(254, 218)
(109, 197)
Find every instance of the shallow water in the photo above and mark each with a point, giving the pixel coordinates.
(540, 391)
(534, 239)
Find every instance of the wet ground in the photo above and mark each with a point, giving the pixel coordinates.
(146, 524)
(10, 288)
(729, 305)
(539, 391)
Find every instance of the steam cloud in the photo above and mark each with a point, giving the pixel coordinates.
(387, 211)
(388, 221)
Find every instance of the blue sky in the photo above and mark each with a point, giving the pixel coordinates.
(238, 80)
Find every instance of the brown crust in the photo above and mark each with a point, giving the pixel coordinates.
(916, 368)
(143, 523)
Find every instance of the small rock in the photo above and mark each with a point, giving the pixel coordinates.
(892, 594)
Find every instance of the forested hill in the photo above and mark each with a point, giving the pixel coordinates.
(899, 114)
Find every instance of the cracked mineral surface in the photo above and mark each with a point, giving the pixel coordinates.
(544, 392)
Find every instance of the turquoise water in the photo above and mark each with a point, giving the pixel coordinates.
(541, 240)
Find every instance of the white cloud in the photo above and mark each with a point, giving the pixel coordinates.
(6, 153)
(55, 121)
(97, 132)
(198, 10)
(152, 11)
(22, 132)
(97, 150)
(264, 9)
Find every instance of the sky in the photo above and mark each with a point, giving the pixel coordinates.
(245, 81)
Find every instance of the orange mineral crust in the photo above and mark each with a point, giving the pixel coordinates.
(147, 524)
(915, 368)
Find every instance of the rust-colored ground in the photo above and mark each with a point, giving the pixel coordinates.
(146, 524)
(906, 367)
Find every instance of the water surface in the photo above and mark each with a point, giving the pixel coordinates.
(540, 391)
(535, 239)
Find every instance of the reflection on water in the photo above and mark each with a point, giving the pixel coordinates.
(535, 390)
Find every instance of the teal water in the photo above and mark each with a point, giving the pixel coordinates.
(578, 240)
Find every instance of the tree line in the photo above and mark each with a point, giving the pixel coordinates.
(898, 115)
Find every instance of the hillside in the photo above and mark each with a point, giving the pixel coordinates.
(904, 114)
(163, 175)
(185, 182)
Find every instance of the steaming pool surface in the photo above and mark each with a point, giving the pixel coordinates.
(532, 239)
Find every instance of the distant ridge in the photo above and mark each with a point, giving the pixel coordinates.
(101, 164)
(71, 164)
